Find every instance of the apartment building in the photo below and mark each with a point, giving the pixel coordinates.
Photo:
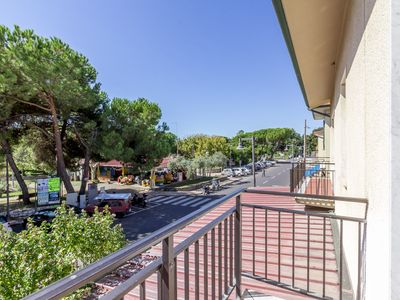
(346, 55)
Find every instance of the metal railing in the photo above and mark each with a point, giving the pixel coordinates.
(300, 243)
(208, 264)
(166, 266)
(312, 178)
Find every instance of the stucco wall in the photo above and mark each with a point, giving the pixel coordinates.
(395, 150)
(360, 138)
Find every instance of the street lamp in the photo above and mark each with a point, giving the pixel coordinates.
(240, 147)
(291, 145)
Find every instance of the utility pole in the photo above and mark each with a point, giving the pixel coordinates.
(7, 190)
(305, 141)
(253, 139)
(292, 150)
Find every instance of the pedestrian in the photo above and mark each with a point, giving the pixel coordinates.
(263, 173)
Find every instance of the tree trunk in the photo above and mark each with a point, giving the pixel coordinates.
(85, 175)
(59, 151)
(7, 150)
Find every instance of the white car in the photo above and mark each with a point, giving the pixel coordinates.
(228, 172)
(246, 171)
(238, 171)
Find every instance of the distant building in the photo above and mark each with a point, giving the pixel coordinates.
(112, 169)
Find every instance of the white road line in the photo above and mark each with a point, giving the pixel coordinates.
(155, 198)
(147, 208)
(183, 200)
(201, 202)
(192, 201)
(174, 199)
(164, 199)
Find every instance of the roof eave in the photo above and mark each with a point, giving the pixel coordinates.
(286, 34)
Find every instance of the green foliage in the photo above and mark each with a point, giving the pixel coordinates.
(49, 81)
(32, 153)
(201, 145)
(131, 133)
(268, 142)
(35, 69)
(312, 143)
(41, 255)
(202, 163)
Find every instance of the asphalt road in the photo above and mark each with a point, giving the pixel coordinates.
(165, 208)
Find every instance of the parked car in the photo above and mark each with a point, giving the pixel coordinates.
(118, 207)
(4, 223)
(228, 172)
(267, 164)
(238, 171)
(246, 171)
(249, 169)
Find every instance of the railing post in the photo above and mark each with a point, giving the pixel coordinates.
(291, 180)
(238, 248)
(168, 269)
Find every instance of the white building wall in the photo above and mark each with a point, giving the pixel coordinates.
(327, 137)
(395, 150)
(360, 137)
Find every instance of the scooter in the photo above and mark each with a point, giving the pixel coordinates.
(140, 199)
(215, 185)
(205, 189)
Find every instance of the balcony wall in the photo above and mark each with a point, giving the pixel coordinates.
(360, 132)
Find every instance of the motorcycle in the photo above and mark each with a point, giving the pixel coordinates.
(140, 199)
(215, 185)
(205, 189)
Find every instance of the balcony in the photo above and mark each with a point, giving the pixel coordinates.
(251, 242)
(316, 178)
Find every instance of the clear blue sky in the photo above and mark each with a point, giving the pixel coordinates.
(213, 66)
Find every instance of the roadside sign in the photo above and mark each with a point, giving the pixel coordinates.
(54, 190)
(48, 191)
(42, 189)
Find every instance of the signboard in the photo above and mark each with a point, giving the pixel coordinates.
(54, 190)
(48, 191)
(42, 191)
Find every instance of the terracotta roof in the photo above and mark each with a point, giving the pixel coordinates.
(115, 163)
(164, 162)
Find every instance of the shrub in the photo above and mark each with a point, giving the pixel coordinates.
(41, 255)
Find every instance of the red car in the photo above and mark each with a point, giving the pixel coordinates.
(118, 207)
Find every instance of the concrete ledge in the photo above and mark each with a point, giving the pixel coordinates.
(322, 203)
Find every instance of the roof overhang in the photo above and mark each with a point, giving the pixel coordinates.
(312, 31)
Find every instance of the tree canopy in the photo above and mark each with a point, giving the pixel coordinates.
(51, 102)
(201, 144)
(131, 133)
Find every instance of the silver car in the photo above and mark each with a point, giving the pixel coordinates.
(228, 172)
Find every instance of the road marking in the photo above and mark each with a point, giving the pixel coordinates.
(201, 202)
(183, 200)
(155, 198)
(192, 201)
(164, 199)
(142, 209)
(174, 199)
